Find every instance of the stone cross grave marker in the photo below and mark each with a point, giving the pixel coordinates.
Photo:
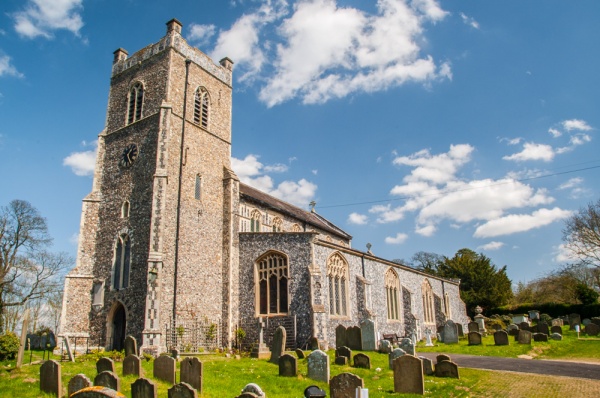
(428, 342)
(130, 346)
(344, 385)
(50, 378)
(78, 382)
(132, 366)
(408, 375)
(108, 379)
(288, 365)
(369, 339)
(143, 388)
(318, 366)
(164, 368)
(182, 390)
(190, 372)
(278, 345)
(261, 351)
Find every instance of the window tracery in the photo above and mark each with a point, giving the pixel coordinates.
(136, 100)
(272, 284)
(337, 275)
(392, 290)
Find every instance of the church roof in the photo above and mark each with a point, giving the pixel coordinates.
(278, 205)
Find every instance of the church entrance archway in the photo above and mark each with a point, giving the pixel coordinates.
(117, 325)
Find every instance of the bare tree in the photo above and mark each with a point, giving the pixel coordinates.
(582, 234)
(27, 270)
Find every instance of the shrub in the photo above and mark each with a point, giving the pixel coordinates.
(9, 346)
(546, 318)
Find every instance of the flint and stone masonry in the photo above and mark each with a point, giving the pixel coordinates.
(169, 234)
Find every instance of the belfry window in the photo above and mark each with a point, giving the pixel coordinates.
(272, 284)
(198, 187)
(201, 105)
(136, 101)
(122, 263)
(337, 275)
(392, 291)
(125, 209)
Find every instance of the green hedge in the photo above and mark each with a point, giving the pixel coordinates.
(553, 309)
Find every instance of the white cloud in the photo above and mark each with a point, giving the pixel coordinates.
(43, 17)
(491, 246)
(276, 168)
(571, 183)
(396, 240)
(554, 132)
(435, 168)
(74, 239)
(563, 255)
(298, 193)
(200, 34)
(532, 151)
(576, 124)
(575, 186)
(515, 223)
(81, 163)
(358, 219)
(469, 21)
(6, 67)
(427, 230)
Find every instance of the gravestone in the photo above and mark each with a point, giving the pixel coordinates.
(343, 352)
(474, 338)
(574, 319)
(50, 378)
(288, 365)
(501, 338)
(446, 369)
(97, 392)
(586, 321)
(253, 389)
(130, 346)
(340, 336)
(556, 336)
(369, 338)
(278, 345)
(342, 361)
(461, 332)
(182, 390)
(442, 357)
(300, 354)
(513, 332)
(362, 361)
(596, 320)
(68, 347)
(314, 344)
(385, 347)
(164, 368)
(427, 366)
(524, 326)
(408, 375)
(143, 388)
(592, 329)
(512, 326)
(105, 364)
(440, 333)
(175, 353)
(108, 379)
(314, 392)
(517, 319)
(397, 353)
(542, 327)
(540, 337)
(496, 327)
(473, 327)
(407, 346)
(78, 382)
(524, 337)
(260, 351)
(556, 329)
(344, 385)
(190, 372)
(354, 337)
(557, 322)
(534, 315)
(132, 366)
(450, 334)
(318, 366)
(247, 395)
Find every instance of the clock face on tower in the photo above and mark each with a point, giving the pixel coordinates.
(129, 155)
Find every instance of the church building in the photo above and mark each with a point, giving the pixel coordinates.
(177, 252)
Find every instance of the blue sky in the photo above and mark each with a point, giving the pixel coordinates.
(415, 125)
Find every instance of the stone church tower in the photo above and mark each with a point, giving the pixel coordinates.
(156, 234)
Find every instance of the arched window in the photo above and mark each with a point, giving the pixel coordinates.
(255, 221)
(428, 302)
(447, 310)
(198, 187)
(272, 284)
(136, 100)
(125, 209)
(201, 105)
(393, 292)
(122, 262)
(337, 275)
(296, 228)
(277, 224)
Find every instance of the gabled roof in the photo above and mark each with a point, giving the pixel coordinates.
(311, 218)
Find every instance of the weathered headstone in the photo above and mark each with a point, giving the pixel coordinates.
(596, 320)
(343, 352)
(397, 353)
(474, 338)
(354, 337)
(442, 357)
(473, 327)
(592, 329)
(260, 351)
(300, 354)
(574, 319)
(501, 338)
(557, 322)
(461, 332)
(407, 346)
(190, 372)
(175, 353)
(446, 369)
(450, 334)
(369, 339)
(342, 361)
(408, 375)
(97, 392)
(78, 382)
(540, 337)
(143, 388)
(130, 346)
(164, 368)
(318, 366)
(50, 378)
(108, 379)
(524, 337)
(278, 345)
(586, 321)
(288, 365)
(542, 327)
(362, 361)
(105, 364)
(182, 390)
(340, 336)
(385, 347)
(427, 366)
(314, 344)
(247, 395)
(344, 385)
(556, 329)
(524, 326)
(556, 336)
(314, 392)
(253, 389)
(534, 315)
(132, 366)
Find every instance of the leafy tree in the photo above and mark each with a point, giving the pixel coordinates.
(426, 262)
(586, 295)
(481, 283)
(27, 270)
(581, 234)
